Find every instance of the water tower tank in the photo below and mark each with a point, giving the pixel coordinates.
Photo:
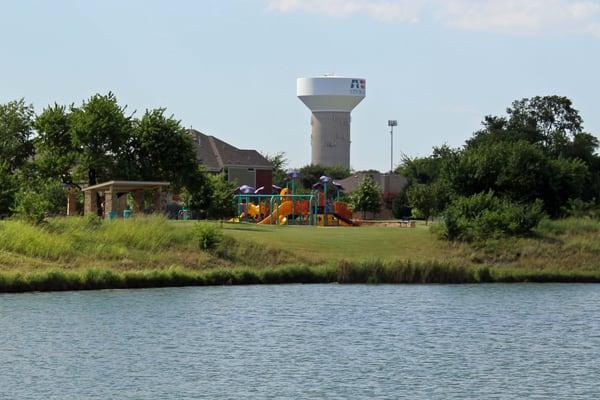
(331, 99)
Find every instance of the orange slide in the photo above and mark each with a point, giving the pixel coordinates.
(286, 208)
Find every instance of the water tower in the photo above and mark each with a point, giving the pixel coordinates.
(331, 99)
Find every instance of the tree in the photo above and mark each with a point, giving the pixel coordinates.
(101, 132)
(311, 173)
(221, 203)
(279, 162)
(424, 200)
(366, 197)
(8, 188)
(199, 192)
(548, 121)
(101, 136)
(16, 131)
(400, 207)
(550, 117)
(16, 148)
(521, 172)
(56, 154)
(163, 150)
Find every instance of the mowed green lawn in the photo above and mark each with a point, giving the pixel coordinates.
(358, 243)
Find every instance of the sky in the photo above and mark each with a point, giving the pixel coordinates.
(228, 67)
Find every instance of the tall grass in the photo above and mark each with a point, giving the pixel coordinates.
(373, 272)
(32, 240)
(572, 226)
(68, 238)
(152, 251)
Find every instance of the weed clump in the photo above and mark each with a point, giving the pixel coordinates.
(208, 236)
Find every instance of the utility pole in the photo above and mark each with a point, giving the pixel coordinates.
(392, 123)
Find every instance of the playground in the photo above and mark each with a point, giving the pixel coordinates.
(322, 206)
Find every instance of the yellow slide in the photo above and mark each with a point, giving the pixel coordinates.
(282, 211)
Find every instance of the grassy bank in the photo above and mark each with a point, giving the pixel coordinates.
(77, 253)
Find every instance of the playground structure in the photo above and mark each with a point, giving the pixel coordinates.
(320, 207)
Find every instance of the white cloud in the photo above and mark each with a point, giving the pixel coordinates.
(399, 10)
(519, 17)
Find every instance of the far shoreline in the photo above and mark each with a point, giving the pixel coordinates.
(65, 254)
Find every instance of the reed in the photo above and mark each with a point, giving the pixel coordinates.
(373, 272)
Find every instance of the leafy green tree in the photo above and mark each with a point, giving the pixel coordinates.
(198, 192)
(221, 203)
(520, 171)
(279, 162)
(164, 150)
(552, 124)
(101, 133)
(428, 169)
(425, 200)
(8, 188)
(366, 197)
(552, 119)
(16, 132)
(311, 173)
(400, 208)
(16, 148)
(56, 154)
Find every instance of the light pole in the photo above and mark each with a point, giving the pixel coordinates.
(392, 123)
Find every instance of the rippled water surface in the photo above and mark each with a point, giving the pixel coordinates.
(303, 341)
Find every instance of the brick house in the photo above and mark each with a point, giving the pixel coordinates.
(244, 167)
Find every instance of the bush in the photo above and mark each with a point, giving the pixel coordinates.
(208, 236)
(483, 216)
(578, 208)
(31, 206)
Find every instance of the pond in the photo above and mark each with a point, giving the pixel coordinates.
(303, 342)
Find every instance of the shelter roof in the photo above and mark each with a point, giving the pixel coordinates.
(126, 186)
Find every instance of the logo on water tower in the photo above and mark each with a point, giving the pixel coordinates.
(358, 86)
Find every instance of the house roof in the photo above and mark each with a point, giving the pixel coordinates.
(216, 154)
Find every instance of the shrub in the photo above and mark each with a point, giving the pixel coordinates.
(208, 236)
(39, 198)
(31, 206)
(483, 216)
(578, 208)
